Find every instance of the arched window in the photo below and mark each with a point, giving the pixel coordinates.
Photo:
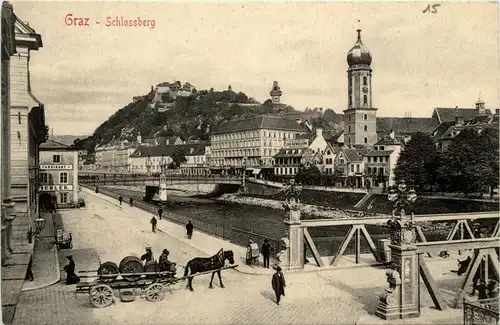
(349, 129)
(365, 128)
(19, 117)
(366, 140)
(365, 99)
(366, 116)
(364, 81)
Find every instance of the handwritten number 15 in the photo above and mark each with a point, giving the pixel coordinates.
(432, 9)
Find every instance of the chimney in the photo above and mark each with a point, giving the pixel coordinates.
(139, 138)
(392, 134)
(319, 132)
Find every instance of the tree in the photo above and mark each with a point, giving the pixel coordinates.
(471, 162)
(418, 162)
(310, 175)
(179, 156)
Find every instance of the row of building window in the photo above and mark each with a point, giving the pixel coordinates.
(252, 134)
(245, 152)
(286, 170)
(365, 140)
(365, 128)
(365, 117)
(63, 178)
(378, 159)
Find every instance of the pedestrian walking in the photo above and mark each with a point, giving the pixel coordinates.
(29, 271)
(120, 199)
(266, 252)
(482, 290)
(131, 202)
(153, 224)
(189, 229)
(278, 283)
(71, 277)
(160, 212)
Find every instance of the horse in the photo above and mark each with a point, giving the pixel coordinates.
(204, 264)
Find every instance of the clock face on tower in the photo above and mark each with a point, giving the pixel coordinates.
(365, 89)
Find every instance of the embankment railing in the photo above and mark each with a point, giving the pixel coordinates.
(223, 231)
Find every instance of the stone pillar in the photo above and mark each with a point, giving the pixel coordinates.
(406, 259)
(295, 254)
(404, 301)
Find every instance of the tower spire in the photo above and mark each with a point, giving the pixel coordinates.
(359, 34)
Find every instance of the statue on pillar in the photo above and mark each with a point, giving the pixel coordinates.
(282, 256)
(390, 296)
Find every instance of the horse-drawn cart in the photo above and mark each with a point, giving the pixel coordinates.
(130, 278)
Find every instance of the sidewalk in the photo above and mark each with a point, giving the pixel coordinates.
(211, 245)
(45, 258)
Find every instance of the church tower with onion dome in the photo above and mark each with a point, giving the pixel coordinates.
(360, 117)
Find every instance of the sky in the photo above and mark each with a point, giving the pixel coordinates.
(83, 74)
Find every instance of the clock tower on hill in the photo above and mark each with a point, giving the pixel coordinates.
(360, 118)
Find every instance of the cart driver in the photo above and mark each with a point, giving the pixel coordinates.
(164, 263)
(148, 256)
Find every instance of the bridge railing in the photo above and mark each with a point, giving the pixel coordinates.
(484, 311)
(139, 179)
(457, 226)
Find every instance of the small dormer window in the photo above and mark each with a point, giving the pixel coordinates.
(381, 148)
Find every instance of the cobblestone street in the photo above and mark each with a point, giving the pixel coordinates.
(113, 232)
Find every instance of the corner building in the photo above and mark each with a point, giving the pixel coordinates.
(360, 118)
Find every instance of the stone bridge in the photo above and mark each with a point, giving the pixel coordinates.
(102, 179)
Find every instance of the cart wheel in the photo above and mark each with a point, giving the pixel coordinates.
(108, 268)
(101, 295)
(155, 292)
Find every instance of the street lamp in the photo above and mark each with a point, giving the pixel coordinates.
(40, 224)
(401, 226)
(244, 170)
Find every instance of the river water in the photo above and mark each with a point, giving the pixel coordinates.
(256, 222)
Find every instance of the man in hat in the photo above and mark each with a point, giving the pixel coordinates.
(153, 224)
(266, 252)
(189, 229)
(278, 283)
(160, 212)
(120, 199)
(71, 277)
(164, 263)
(148, 256)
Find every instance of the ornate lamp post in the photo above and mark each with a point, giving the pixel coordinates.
(40, 224)
(402, 298)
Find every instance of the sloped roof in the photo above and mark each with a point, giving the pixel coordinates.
(353, 155)
(153, 151)
(405, 125)
(161, 140)
(54, 145)
(257, 123)
(288, 153)
(332, 136)
(441, 129)
(387, 140)
(198, 149)
(446, 114)
(379, 153)
(168, 150)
